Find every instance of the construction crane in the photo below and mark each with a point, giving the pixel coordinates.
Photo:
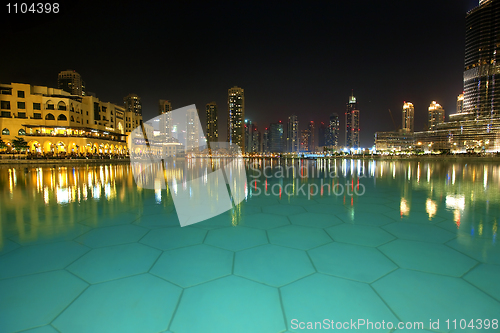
(395, 126)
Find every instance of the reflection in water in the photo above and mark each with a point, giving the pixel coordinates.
(49, 201)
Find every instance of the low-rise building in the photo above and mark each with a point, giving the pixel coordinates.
(55, 122)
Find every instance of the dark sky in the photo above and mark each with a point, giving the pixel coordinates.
(290, 57)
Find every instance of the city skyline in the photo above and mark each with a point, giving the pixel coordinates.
(311, 82)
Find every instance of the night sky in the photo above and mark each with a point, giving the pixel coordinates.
(290, 57)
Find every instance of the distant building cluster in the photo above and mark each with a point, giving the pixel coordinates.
(475, 126)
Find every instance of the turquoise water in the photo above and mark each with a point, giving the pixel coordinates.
(83, 249)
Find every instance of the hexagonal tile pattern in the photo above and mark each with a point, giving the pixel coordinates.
(483, 277)
(193, 265)
(272, 265)
(428, 257)
(173, 237)
(265, 221)
(236, 238)
(359, 234)
(326, 208)
(364, 218)
(285, 210)
(110, 219)
(414, 217)
(228, 305)
(7, 246)
(298, 237)
(419, 232)
(43, 329)
(142, 303)
(349, 261)
(40, 258)
(315, 220)
(113, 262)
(168, 219)
(318, 297)
(483, 250)
(115, 235)
(35, 300)
(418, 296)
(50, 234)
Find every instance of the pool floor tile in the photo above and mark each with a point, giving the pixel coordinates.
(142, 303)
(173, 237)
(236, 238)
(265, 221)
(419, 296)
(298, 237)
(158, 220)
(113, 262)
(428, 257)
(193, 265)
(43, 329)
(40, 258)
(35, 300)
(355, 262)
(485, 277)
(318, 297)
(228, 305)
(419, 232)
(483, 250)
(359, 234)
(114, 235)
(364, 218)
(285, 210)
(315, 220)
(272, 264)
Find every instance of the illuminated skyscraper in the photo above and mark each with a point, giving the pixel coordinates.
(192, 131)
(460, 103)
(312, 134)
(276, 137)
(236, 117)
(436, 115)
(322, 134)
(212, 123)
(132, 104)
(352, 123)
(251, 137)
(481, 70)
(304, 140)
(332, 135)
(165, 122)
(70, 81)
(408, 117)
(292, 137)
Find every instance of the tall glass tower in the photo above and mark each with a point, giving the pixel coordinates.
(352, 123)
(333, 130)
(236, 117)
(408, 117)
(292, 137)
(212, 123)
(481, 70)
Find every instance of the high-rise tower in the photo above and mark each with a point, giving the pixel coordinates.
(292, 137)
(408, 117)
(481, 70)
(312, 135)
(70, 81)
(236, 117)
(352, 123)
(436, 115)
(212, 123)
(332, 137)
(166, 123)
